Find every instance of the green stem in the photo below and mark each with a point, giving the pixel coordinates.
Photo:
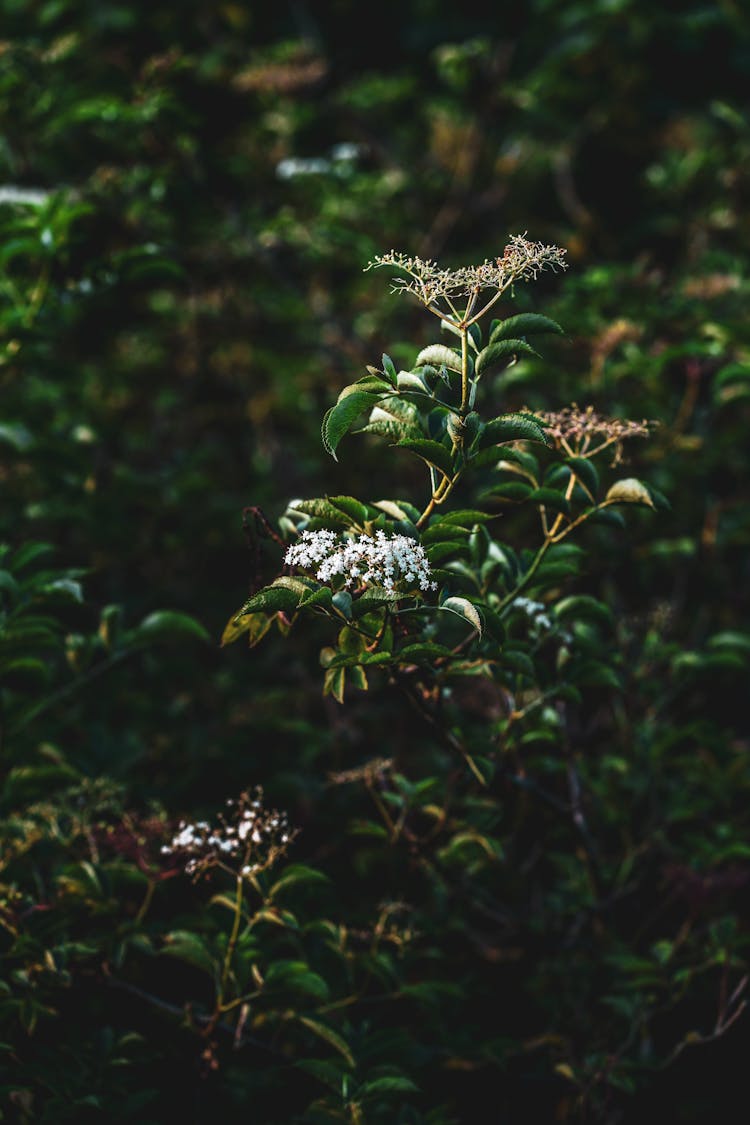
(146, 902)
(231, 944)
(464, 372)
(537, 561)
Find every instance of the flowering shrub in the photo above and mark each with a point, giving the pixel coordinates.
(398, 579)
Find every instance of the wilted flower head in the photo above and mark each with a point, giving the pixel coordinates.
(521, 260)
(247, 839)
(394, 562)
(584, 432)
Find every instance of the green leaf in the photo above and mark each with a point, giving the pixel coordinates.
(389, 369)
(342, 601)
(188, 947)
(440, 531)
(297, 976)
(334, 515)
(411, 381)
(271, 599)
(355, 509)
(168, 624)
(503, 349)
(584, 606)
(422, 653)
(585, 469)
(387, 1085)
(550, 498)
(462, 607)
(524, 324)
(730, 639)
(462, 517)
(16, 435)
(334, 682)
(514, 427)
(358, 677)
(439, 355)
(323, 597)
(373, 596)
(436, 552)
(515, 490)
(255, 625)
(326, 1072)
(432, 452)
(340, 417)
(404, 513)
(330, 1036)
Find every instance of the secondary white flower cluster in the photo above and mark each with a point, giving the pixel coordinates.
(391, 561)
(248, 839)
(540, 620)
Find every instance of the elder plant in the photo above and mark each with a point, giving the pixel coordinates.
(423, 588)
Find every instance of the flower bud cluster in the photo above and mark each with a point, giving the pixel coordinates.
(394, 562)
(246, 840)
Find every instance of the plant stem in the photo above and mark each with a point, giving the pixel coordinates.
(536, 563)
(231, 944)
(464, 372)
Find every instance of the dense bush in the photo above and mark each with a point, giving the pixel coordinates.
(520, 877)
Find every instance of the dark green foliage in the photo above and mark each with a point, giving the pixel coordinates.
(521, 877)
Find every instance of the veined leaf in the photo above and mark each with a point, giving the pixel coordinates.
(551, 498)
(330, 1036)
(255, 625)
(514, 490)
(524, 324)
(585, 470)
(398, 510)
(271, 599)
(421, 653)
(322, 509)
(351, 507)
(439, 355)
(462, 517)
(340, 417)
(437, 552)
(389, 369)
(410, 381)
(462, 607)
(630, 491)
(432, 452)
(514, 427)
(334, 682)
(440, 532)
(186, 946)
(494, 353)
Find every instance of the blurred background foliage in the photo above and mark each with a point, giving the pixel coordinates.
(188, 194)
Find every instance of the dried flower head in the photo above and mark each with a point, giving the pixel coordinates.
(245, 840)
(394, 562)
(520, 261)
(373, 771)
(582, 433)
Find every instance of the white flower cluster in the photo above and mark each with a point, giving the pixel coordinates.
(537, 611)
(540, 620)
(249, 838)
(383, 560)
